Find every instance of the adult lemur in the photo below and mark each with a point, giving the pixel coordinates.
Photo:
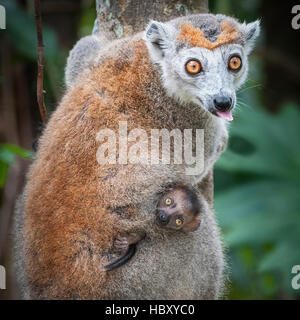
(181, 74)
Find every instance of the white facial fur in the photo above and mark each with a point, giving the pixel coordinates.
(215, 78)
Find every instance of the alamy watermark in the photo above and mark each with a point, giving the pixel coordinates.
(136, 147)
(2, 278)
(2, 17)
(296, 279)
(296, 19)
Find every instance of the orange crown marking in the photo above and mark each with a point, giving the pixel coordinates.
(196, 37)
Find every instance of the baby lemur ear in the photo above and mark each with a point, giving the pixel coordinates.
(192, 226)
(158, 36)
(251, 32)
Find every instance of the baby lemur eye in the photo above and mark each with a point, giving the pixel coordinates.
(193, 66)
(168, 201)
(235, 63)
(178, 222)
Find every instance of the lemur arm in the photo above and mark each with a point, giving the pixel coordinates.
(128, 242)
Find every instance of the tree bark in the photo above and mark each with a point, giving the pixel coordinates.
(119, 18)
(40, 62)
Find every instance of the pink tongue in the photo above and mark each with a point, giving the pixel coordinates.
(227, 115)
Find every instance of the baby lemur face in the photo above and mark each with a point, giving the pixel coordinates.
(203, 59)
(179, 209)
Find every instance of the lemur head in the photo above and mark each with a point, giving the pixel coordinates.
(203, 58)
(179, 209)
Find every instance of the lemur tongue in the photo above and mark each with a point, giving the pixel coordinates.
(226, 115)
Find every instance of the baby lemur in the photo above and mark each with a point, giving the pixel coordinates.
(178, 208)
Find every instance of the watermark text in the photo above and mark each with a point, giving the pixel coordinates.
(296, 278)
(2, 278)
(296, 19)
(159, 146)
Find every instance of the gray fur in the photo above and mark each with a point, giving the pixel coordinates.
(184, 265)
(81, 57)
(215, 78)
(18, 248)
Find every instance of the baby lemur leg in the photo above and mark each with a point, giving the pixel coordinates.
(127, 246)
(122, 242)
(178, 208)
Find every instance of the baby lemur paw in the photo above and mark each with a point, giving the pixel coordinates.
(121, 243)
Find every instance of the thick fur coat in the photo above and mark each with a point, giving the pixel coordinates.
(73, 207)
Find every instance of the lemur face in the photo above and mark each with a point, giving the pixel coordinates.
(203, 59)
(179, 208)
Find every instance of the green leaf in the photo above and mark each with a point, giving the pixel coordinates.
(6, 156)
(275, 146)
(16, 150)
(253, 198)
(3, 173)
(283, 257)
(21, 31)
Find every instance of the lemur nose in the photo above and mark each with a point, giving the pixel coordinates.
(162, 217)
(222, 103)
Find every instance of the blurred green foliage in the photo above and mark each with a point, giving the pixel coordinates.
(21, 32)
(257, 185)
(8, 152)
(256, 180)
(257, 201)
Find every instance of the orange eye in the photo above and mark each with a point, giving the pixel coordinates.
(168, 201)
(178, 222)
(235, 63)
(193, 66)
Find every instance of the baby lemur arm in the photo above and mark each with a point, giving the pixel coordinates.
(125, 244)
(118, 263)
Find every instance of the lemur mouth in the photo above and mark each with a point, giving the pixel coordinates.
(226, 115)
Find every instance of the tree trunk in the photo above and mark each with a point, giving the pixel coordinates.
(119, 18)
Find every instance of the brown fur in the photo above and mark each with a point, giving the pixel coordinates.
(72, 203)
(196, 38)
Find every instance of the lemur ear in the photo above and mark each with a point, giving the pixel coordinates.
(192, 226)
(158, 36)
(251, 32)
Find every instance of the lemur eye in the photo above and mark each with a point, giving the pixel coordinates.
(235, 63)
(178, 222)
(193, 66)
(168, 201)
